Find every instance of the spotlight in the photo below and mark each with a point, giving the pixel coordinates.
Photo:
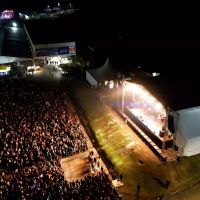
(14, 24)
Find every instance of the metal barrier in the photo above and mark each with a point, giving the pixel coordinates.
(140, 130)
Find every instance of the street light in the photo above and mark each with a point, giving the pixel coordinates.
(124, 88)
(70, 7)
(123, 93)
(14, 24)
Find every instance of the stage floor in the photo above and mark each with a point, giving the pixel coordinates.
(75, 167)
(114, 137)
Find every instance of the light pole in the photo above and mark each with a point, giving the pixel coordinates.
(14, 24)
(70, 6)
(123, 94)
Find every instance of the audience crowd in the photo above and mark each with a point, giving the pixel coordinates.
(38, 127)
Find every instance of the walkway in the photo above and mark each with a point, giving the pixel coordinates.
(128, 154)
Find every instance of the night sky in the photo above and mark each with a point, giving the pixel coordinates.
(156, 34)
(145, 20)
(34, 4)
(160, 37)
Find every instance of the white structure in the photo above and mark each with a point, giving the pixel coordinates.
(105, 75)
(184, 119)
(183, 122)
(187, 131)
(143, 105)
(55, 49)
(56, 53)
(91, 79)
(9, 59)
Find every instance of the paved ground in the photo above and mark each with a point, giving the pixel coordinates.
(76, 167)
(132, 158)
(191, 194)
(125, 151)
(47, 73)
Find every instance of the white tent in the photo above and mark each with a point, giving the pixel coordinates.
(9, 59)
(187, 130)
(104, 73)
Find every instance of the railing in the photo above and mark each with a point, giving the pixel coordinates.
(30, 41)
(137, 128)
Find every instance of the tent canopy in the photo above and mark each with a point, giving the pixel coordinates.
(9, 59)
(187, 131)
(106, 72)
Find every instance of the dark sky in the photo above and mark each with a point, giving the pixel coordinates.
(34, 4)
(138, 27)
(162, 36)
(130, 17)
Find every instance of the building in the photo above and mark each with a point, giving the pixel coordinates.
(14, 43)
(55, 54)
(42, 40)
(51, 44)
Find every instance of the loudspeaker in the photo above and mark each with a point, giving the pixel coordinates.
(171, 123)
(161, 134)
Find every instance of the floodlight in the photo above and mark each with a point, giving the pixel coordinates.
(14, 24)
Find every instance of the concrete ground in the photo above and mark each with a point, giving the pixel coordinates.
(193, 193)
(77, 166)
(131, 157)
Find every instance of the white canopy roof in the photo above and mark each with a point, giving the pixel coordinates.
(8, 59)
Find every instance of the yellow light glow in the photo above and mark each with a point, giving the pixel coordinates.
(133, 87)
(151, 99)
(153, 123)
(158, 106)
(150, 111)
(145, 94)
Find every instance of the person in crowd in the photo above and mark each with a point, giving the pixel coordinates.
(39, 126)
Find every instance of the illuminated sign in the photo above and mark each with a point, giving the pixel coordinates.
(69, 50)
(7, 14)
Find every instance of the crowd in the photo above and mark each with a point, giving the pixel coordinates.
(47, 182)
(37, 123)
(38, 127)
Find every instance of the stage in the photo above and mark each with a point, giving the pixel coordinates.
(163, 142)
(75, 167)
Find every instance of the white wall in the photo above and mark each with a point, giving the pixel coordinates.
(90, 79)
(192, 147)
(187, 130)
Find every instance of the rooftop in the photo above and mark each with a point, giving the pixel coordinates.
(14, 41)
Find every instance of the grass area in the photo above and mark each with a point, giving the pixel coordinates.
(124, 149)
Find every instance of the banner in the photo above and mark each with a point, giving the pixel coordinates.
(68, 50)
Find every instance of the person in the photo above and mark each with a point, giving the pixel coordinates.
(138, 189)
(121, 177)
(158, 197)
(38, 128)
